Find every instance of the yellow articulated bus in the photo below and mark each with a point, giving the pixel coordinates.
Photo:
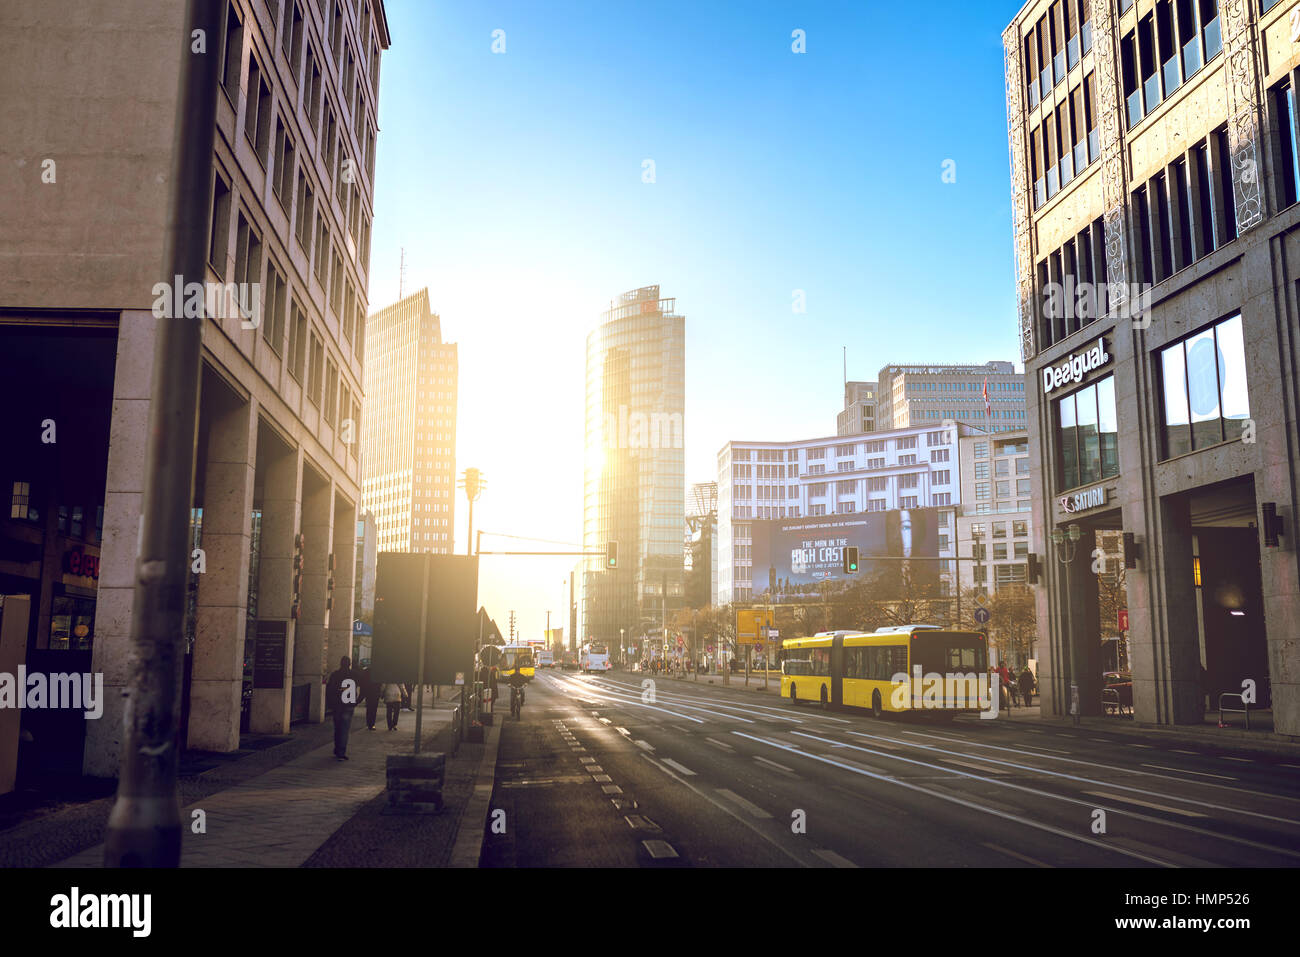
(516, 658)
(857, 669)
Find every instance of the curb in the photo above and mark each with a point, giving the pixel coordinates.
(1234, 739)
(472, 825)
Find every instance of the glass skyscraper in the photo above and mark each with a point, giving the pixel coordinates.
(635, 475)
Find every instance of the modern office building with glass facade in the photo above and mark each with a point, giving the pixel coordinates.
(635, 468)
(1154, 185)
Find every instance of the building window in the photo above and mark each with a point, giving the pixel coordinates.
(981, 491)
(303, 214)
(282, 179)
(315, 371)
(1087, 434)
(1203, 378)
(257, 112)
(219, 241)
(981, 450)
(274, 308)
(20, 503)
(1004, 489)
(248, 253)
(234, 54)
(981, 470)
(1289, 167)
(942, 477)
(297, 340)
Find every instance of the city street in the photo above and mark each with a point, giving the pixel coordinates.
(593, 775)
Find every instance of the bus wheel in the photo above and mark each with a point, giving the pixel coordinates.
(876, 710)
(825, 704)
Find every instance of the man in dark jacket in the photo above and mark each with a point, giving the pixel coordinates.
(370, 691)
(342, 692)
(1027, 686)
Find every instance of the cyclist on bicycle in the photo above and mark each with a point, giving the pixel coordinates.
(517, 680)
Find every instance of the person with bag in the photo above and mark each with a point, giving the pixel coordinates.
(392, 695)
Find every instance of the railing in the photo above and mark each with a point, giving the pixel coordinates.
(1244, 709)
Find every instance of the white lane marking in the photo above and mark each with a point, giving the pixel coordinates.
(1290, 765)
(1181, 751)
(616, 697)
(978, 767)
(759, 711)
(724, 808)
(643, 744)
(719, 744)
(982, 809)
(606, 721)
(587, 760)
(623, 731)
(833, 859)
(1242, 760)
(681, 769)
(1102, 740)
(753, 809)
(1018, 856)
(1151, 804)
(1058, 797)
(1132, 745)
(632, 701)
(1112, 767)
(1204, 774)
(779, 767)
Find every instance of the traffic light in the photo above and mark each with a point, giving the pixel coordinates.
(850, 560)
(611, 554)
(1031, 572)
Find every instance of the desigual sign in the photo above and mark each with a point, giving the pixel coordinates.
(1076, 367)
(1082, 501)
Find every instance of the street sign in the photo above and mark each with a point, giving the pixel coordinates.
(1123, 619)
(982, 615)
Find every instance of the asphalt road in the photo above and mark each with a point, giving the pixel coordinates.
(599, 773)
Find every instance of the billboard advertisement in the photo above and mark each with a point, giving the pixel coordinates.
(794, 557)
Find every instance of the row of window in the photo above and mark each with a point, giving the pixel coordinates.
(1056, 45)
(1167, 47)
(1065, 141)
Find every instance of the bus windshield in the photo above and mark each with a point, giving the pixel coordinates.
(596, 650)
(942, 652)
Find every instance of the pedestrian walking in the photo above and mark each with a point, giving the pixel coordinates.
(341, 694)
(392, 695)
(1027, 686)
(370, 691)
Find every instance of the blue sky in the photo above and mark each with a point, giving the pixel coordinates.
(514, 182)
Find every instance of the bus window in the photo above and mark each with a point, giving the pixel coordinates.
(796, 666)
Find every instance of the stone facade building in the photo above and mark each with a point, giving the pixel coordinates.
(1154, 186)
(278, 465)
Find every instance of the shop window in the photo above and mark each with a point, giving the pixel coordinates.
(20, 503)
(1087, 435)
(1203, 378)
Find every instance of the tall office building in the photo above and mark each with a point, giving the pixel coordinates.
(635, 481)
(291, 200)
(409, 440)
(1154, 187)
(859, 413)
(926, 395)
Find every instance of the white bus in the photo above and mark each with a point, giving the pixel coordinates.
(545, 659)
(595, 657)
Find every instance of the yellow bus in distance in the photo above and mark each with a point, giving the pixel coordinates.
(857, 669)
(516, 658)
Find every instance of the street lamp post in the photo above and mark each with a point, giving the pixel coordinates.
(473, 482)
(1067, 542)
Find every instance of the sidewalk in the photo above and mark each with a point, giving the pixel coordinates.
(287, 813)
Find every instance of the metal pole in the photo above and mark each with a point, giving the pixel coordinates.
(144, 826)
(419, 667)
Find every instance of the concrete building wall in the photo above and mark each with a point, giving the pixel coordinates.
(291, 383)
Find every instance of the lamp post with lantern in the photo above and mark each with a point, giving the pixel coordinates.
(1066, 542)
